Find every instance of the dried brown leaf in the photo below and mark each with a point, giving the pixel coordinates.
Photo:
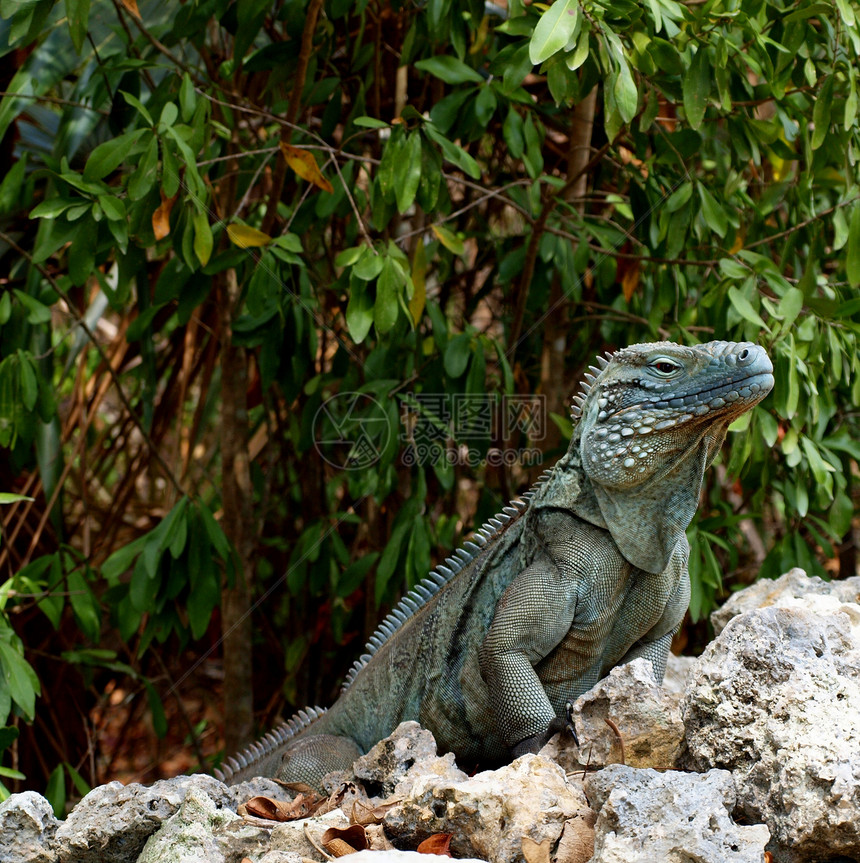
(577, 838)
(305, 165)
(161, 217)
(363, 813)
(340, 842)
(277, 810)
(438, 843)
(131, 5)
(536, 852)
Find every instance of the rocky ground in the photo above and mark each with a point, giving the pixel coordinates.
(749, 753)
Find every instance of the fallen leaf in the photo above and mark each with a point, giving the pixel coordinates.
(305, 165)
(365, 814)
(536, 852)
(438, 843)
(340, 842)
(161, 217)
(247, 238)
(345, 797)
(577, 838)
(277, 810)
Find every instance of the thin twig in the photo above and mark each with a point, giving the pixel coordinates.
(54, 100)
(614, 727)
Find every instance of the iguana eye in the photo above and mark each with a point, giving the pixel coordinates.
(665, 367)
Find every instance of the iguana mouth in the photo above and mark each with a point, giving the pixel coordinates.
(703, 402)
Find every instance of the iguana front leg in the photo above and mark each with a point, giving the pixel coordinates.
(533, 615)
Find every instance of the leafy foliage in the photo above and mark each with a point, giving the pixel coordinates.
(255, 208)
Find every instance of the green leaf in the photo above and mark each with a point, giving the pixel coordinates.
(52, 207)
(626, 94)
(449, 239)
(408, 173)
(359, 311)
(744, 307)
(55, 791)
(554, 30)
(84, 605)
(386, 307)
(450, 70)
(29, 383)
(370, 123)
(697, 86)
(454, 153)
(457, 354)
(713, 214)
(202, 237)
(852, 258)
(19, 678)
(821, 113)
(790, 307)
(107, 157)
(143, 179)
(156, 708)
(37, 313)
(78, 13)
(9, 497)
(369, 265)
(679, 197)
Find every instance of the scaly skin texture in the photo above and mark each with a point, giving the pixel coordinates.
(590, 573)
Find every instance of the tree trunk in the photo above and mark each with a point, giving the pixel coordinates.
(554, 383)
(237, 523)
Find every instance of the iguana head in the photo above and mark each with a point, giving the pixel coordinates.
(652, 419)
(652, 403)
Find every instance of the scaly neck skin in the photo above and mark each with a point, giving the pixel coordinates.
(653, 420)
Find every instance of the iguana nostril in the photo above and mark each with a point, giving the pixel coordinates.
(744, 355)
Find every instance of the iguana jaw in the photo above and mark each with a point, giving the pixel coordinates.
(653, 420)
(648, 408)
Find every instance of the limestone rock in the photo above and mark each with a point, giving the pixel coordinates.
(291, 836)
(280, 857)
(490, 813)
(776, 700)
(646, 816)
(27, 829)
(396, 763)
(259, 786)
(392, 857)
(678, 670)
(793, 584)
(203, 832)
(648, 718)
(112, 823)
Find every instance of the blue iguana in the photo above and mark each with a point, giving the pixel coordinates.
(587, 571)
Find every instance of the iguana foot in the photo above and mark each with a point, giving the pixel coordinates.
(558, 725)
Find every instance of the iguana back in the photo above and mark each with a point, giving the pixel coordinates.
(588, 571)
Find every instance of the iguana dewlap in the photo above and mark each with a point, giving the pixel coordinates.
(589, 571)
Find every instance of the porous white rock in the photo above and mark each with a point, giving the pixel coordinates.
(646, 816)
(677, 672)
(27, 828)
(189, 836)
(490, 813)
(776, 700)
(793, 584)
(648, 718)
(292, 836)
(399, 760)
(112, 823)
